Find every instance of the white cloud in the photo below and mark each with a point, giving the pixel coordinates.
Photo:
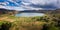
(13, 8)
(3, 3)
(26, 4)
(14, 1)
(42, 2)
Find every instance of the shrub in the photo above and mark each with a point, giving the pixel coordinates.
(5, 25)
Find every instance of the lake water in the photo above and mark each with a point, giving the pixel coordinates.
(29, 14)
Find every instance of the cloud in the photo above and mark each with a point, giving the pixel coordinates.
(4, 3)
(30, 4)
(14, 1)
(41, 2)
(13, 8)
(48, 4)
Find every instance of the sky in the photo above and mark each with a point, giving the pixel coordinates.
(30, 4)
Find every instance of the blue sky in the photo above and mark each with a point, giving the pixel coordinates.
(29, 4)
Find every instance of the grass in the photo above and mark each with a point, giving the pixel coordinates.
(24, 23)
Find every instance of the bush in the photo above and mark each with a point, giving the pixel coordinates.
(5, 25)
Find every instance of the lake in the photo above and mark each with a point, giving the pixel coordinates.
(29, 14)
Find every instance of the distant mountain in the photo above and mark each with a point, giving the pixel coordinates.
(6, 11)
(2, 10)
(25, 10)
(41, 11)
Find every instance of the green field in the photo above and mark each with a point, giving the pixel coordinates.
(47, 22)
